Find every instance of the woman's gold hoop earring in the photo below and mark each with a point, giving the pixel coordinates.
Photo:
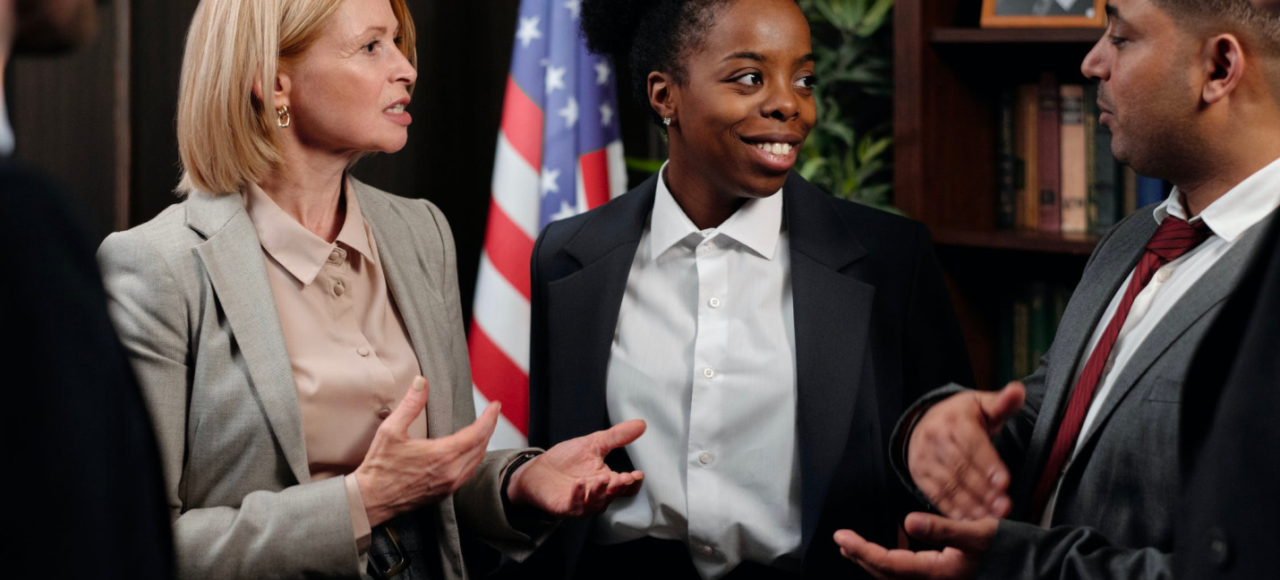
(282, 117)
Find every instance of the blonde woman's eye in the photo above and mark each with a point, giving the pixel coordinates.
(371, 47)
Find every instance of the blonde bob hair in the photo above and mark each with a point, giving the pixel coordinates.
(227, 137)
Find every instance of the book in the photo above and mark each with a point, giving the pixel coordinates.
(1074, 174)
(1042, 322)
(1027, 200)
(1130, 192)
(1006, 217)
(1105, 195)
(1048, 170)
(1151, 190)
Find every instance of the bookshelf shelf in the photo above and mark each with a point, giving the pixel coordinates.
(1026, 241)
(964, 35)
(949, 75)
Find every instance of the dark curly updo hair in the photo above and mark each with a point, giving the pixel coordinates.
(650, 35)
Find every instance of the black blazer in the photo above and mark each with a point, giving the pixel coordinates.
(1231, 400)
(77, 432)
(874, 330)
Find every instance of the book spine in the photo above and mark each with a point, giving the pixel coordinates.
(1090, 159)
(1150, 190)
(1042, 323)
(1107, 177)
(1028, 113)
(1006, 216)
(1075, 201)
(1049, 160)
(1130, 196)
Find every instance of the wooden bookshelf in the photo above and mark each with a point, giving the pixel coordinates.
(949, 73)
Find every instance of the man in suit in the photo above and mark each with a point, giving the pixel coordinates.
(1087, 465)
(88, 489)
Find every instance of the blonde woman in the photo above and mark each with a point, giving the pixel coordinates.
(277, 317)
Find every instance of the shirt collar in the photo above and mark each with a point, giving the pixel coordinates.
(756, 225)
(1237, 210)
(300, 252)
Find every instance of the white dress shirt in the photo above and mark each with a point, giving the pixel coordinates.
(705, 353)
(1229, 217)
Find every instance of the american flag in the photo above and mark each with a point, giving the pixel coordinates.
(559, 154)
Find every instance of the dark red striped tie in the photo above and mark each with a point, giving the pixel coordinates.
(1172, 239)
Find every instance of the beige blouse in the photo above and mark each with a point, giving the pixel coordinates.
(351, 356)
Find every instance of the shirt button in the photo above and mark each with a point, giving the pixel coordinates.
(705, 458)
(335, 257)
(1162, 276)
(705, 550)
(707, 372)
(362, 351)
(714, 302)
(384, 412)
(339, 289)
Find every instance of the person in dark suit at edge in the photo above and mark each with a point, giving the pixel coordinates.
(1232, 397)
(768, 333)
(88, 494)
(1191, 92)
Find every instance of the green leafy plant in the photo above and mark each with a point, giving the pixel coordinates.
(849, 153)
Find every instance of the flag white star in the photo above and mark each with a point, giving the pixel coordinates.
(606, 115)
(570, 112)
(555, 78)
(602, 72)
(574, 6)
(528, 30)
(566, 210)
(549, 178)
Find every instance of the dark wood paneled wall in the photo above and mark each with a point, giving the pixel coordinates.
(102, 120)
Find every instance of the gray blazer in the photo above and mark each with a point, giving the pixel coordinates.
(189, 295)
(1114, 516)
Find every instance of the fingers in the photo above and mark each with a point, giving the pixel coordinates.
(952, 460)
(477, 434)
(940, 531)
(414, 401)
(620, 435)
(1001, 405)
(876, 559)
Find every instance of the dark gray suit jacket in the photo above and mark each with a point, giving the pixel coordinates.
(1114, 516)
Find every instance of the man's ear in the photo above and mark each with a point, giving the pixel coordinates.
(663, 95)
(1224, 64)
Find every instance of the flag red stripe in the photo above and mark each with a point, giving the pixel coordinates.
(499, 379)
(509, 249)
(522, 123)
(595, 177)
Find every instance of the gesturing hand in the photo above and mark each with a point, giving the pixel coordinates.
(952, 460)
(571, 479)
(965, 544)
(400, 474)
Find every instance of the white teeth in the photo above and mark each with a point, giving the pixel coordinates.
(396, 109)
(775, 148)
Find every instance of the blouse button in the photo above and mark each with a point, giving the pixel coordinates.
(339, 289)
(384, 412)
(362, 351)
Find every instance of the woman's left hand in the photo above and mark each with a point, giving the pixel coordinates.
(572, 480)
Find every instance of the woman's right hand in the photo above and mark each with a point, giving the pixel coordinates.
(400, 474)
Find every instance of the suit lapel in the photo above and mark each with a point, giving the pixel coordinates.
(1107, 272)
(584, 305)
(233, 258)
(833, 306)
(1212, 288)
(418, 294)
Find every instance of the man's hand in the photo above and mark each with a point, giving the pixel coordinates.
(571, 479)
(964, 545)
(400, 474)
(951, 458)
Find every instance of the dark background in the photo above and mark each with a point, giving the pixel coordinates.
(101, 121)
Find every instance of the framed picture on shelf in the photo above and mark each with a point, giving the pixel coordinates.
(1044, 13)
